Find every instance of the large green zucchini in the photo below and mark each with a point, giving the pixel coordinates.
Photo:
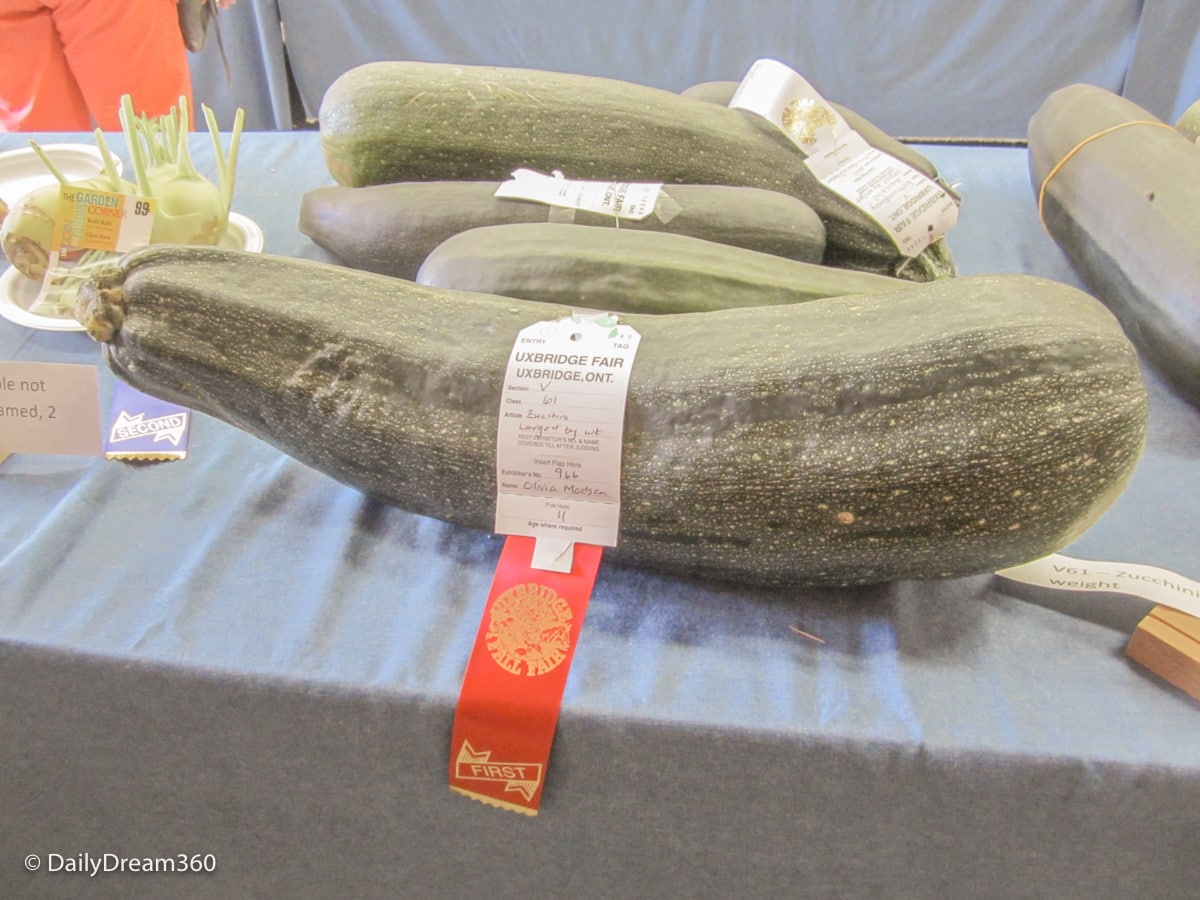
(934, 431)
(391, 228)
(398, 121)
(1125, 208)
(625, 271)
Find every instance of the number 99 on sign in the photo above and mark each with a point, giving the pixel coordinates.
(141, 208)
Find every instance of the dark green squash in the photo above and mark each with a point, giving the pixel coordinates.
(619, 270)
(398, 121)
(1125, 208)
(391, 228)
(938, 430)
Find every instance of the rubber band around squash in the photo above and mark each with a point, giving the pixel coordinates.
(1080, 146)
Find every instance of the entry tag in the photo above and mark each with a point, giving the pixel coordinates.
(559, 436)
(90, 228)
(621, 199)
(50, 408)
(913, 209)
(558, 473)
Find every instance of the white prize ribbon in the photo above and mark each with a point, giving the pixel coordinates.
(913, 209)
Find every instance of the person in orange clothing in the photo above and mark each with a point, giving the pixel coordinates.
(64, 64)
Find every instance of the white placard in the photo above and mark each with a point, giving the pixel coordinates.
(559, 436)
(1148, 582)
(50, 408)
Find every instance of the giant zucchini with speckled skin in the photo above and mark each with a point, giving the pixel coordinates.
(397, 121)
(939, 430)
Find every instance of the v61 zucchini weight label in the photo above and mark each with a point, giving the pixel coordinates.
(558, 443)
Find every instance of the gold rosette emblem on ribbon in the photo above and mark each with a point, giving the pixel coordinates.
(530, 630)
(801, 118)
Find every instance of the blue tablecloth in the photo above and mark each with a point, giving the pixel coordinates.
(235, 655)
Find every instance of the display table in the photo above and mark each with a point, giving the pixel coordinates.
(235, 655)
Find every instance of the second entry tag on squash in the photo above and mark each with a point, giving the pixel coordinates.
(558, 443)
(912, 208)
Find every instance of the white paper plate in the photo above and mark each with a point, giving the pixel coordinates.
(18, 293)
(22, 171)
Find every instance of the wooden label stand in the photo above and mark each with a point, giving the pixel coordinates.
(1167, 642)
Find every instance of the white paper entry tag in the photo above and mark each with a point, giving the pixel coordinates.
(559, 437)
(911, 207)
(1148, 582)
(914, 209)
(622, 199)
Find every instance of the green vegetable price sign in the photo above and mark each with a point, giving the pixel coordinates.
(90, 219)
(91, 225)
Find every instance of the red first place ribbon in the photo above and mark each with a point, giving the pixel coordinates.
(513, 687)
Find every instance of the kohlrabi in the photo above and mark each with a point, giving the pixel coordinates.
(189, 208)
(29, 226)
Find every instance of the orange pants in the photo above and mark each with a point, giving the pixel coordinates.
(64, 64)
